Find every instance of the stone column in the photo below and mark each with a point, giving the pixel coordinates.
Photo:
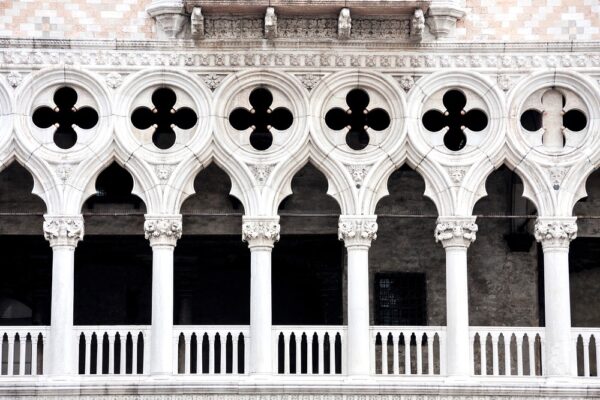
(261, 233)
(162, 231)
(456, 234)
(63, 232)
(555, 234)
(357, 232)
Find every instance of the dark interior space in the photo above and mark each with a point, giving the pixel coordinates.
(307, 280)
(113, 280)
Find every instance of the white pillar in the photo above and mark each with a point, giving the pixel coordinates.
(357, 232)
(456, 234)
(162, 231)
(555, 234)
(63, 233)
(261, 233)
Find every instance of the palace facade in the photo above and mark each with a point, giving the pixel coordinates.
(299, 199)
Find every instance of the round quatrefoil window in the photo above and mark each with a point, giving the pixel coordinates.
(164, 118)
(456, 121)
(65, 117)
(261, 118)
(554, 117)
(357, 119)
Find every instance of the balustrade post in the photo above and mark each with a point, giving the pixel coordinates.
(456, 234)
(162, 231)
(357, 232)
(260, 233)
(63, 232)
(555, 234)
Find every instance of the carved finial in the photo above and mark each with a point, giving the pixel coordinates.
(455, 231)
(344, 24)
(270, 23)
(63, 230)
(357, 230)
(260, 231)
(417, 24)
(555, 232)
(163, 229)
(197, 23)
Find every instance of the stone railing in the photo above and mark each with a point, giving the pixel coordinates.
(22, 350)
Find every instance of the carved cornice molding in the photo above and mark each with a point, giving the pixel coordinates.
(260, 231)
(555, 232)
(455, 231)
(163, 230)
(63, 230)
(357, 230)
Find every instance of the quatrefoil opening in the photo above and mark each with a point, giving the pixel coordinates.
(261, 118)
(64, 116)
(554, 119)
(164, 118)
(357, 118)
(456, 119)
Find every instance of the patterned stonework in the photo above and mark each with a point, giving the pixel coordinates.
(163, 230)
(455, 231)
(358, 230)
(63, 230)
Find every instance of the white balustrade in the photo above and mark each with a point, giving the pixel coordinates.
(119, 350)
(408, 350)
(210, 349)
(586, 347)
(505, 351)
(309, 350)
(22, 350)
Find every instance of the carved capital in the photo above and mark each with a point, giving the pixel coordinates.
(170, 16)
(555, 232)
(260, 231)
(163, 230)
(455, 231)
(63, 230)
(441, 19)
(357, 230)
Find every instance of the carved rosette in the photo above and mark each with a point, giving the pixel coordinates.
(455, 231)
(63, 230)
(163, 230)
(357, 230)
(555, 232)
(260, 231)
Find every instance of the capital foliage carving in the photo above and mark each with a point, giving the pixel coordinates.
(260, 231)
(163, 230)
(63, 230)
(555, 232)
(358, 230)
(456, 231)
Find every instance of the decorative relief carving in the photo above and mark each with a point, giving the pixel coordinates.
(555, 232)
(344, 24)
(163, 230)
(212, 81)
(261, 172)
(14, 78)
(557, 175)
(417, 24)
(406, 82)
(163, 172)
(197, 23)
(457, 174)
(233, 28)
(504, 82)
(114, 80)
(455, 231)
(357, 230)
(310, 80)
(358, 172)
(63, 172)
(63, 230)
(260, 231)
(270, 23)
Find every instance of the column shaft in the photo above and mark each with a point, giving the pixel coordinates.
(359, 342)
(260, 310)
(161, 355)
(457, 312)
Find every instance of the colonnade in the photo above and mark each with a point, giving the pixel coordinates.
(357, 231)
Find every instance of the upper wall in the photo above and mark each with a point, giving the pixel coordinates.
(503, 20)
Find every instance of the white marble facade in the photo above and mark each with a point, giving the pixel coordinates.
(309, 57)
